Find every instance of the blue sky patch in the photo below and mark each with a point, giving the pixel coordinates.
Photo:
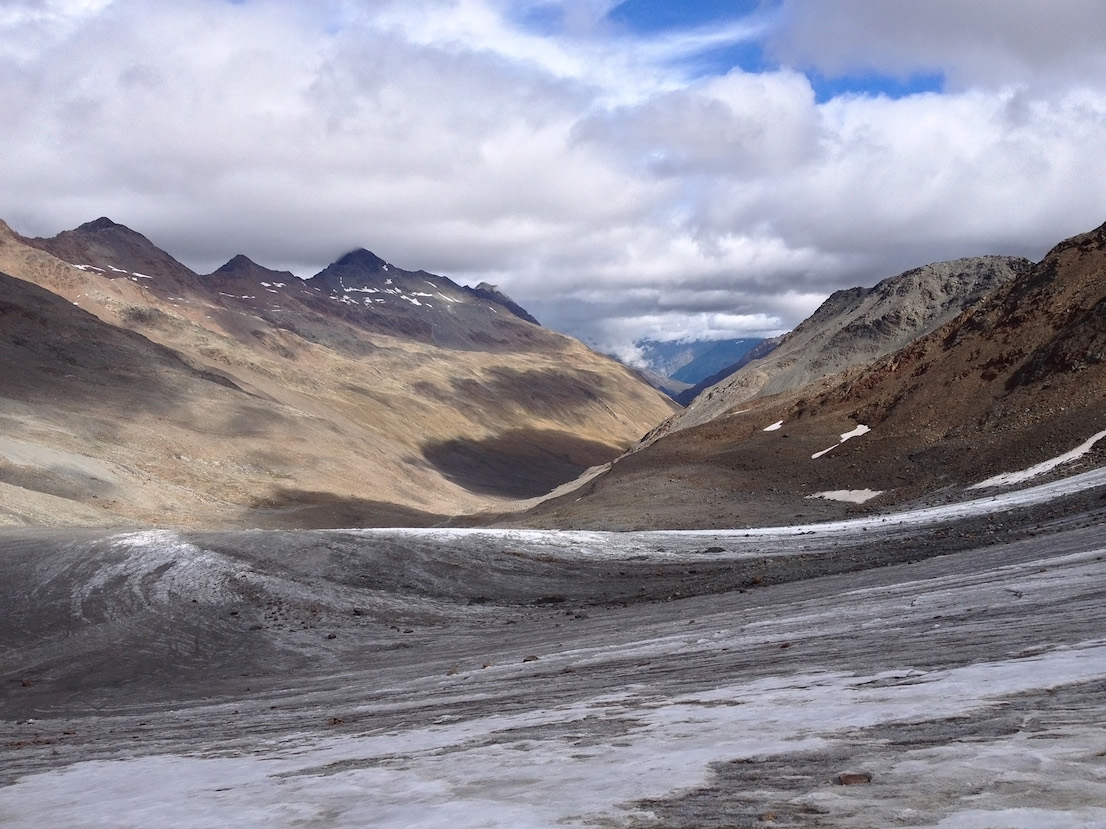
(874, 85)
(654, 16)
(747, 55)
(544, 19)
(659, 18)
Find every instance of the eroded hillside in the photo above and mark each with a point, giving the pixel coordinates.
(322, 407)
(855, 326)
(1012, 382)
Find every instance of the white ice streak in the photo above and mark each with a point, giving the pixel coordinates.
(668, 544)
(157, 565)
(774, 427)
(1009, 478)
(852, 496)
(861, 429)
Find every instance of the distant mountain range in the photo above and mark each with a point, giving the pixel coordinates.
(690, 362)
(850, 328)
(137, 391)
(853, 327)
(761, 350)
(134, 391)
(929, 384)
(359, 287)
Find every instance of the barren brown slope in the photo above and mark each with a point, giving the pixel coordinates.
(118, 251)
(336, 423)
(1015, 381)
(93, 414)
(855, 326)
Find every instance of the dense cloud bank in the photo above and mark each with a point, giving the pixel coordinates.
(714, 178)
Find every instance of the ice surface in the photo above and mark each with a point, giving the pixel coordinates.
(600, 545)
(774, 427)
(587, 757)
(534, 769)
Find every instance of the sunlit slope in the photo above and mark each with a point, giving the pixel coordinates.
(314, 416)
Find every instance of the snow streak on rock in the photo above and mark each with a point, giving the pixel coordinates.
(1010, 478)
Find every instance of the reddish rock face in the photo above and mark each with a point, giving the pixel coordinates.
(1016, 379)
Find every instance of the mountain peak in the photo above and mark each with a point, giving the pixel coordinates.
(105, 244)
(237, 263)
(362, 259)
(1092, 240)
(357, 269)
(857, 325)
(241, 269)
(101, 224)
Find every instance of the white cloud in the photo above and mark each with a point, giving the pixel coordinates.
(993, 43)
(577, 165)
(27, 13)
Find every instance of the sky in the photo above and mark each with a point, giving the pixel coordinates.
(624, 170)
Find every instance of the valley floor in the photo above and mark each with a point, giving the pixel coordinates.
(942, 668)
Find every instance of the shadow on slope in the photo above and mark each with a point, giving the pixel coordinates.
(52, 352)
(522, 463)
(561, 393)
(300, 509)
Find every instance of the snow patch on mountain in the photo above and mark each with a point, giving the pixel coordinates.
(1009, 478)
(851, 496)
(861, 429)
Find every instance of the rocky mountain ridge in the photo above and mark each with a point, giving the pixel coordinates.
(690, 361)
(855, 326)
(376, 294)
(1013, 381)
(324, 408)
